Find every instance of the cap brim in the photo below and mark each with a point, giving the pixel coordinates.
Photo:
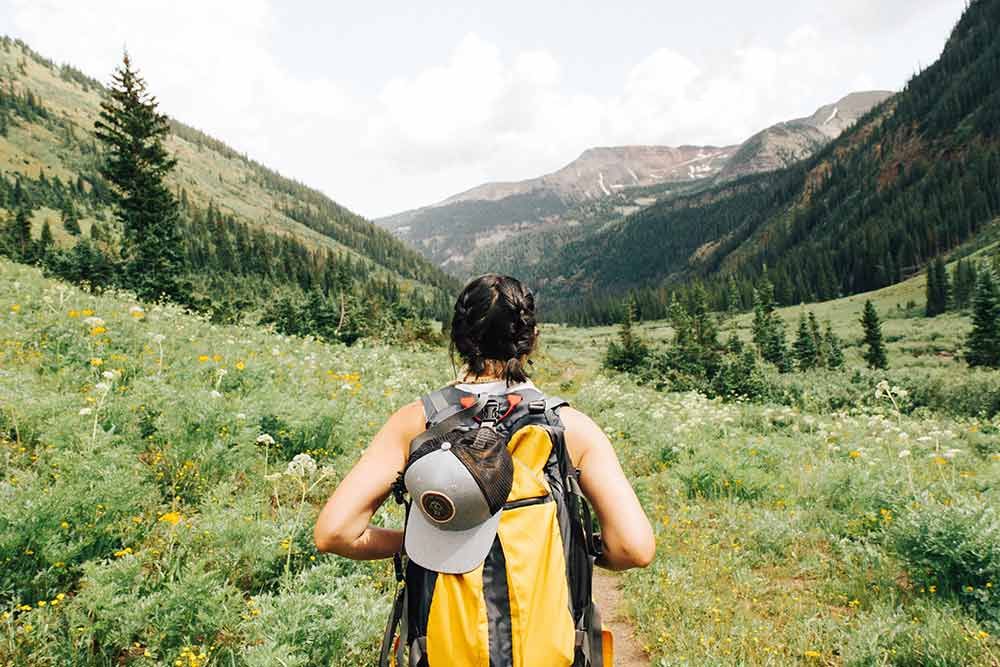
(448, 551)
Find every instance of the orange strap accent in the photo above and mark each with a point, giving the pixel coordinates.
(467, 401)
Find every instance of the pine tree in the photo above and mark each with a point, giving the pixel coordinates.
(806, 350)
(19, 237)
(982, 347)
(769, 329)
(875, 355)
(938, 288)
(930, 293)
(630, 353)
(834, 353)
(45, 241)
(136, 163)
(734, 300)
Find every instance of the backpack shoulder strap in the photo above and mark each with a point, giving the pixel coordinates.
(438, 405)
(555, 402)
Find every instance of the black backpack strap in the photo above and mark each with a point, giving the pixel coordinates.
(390, 629)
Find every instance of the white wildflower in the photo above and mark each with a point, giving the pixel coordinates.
(108, 375)
(216, 394)
(85, 411)
(102, 386)
(94, 321)
(240, 416)
(302, 465)
(265, 439)
(950, 454)
(904, 453)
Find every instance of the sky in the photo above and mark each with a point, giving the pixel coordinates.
(390, 105)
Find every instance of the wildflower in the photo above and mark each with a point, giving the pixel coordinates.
(950, 454)
(855, 454)
(216, 358)
(102, 386)
(93, 321)
(265, 439)
(96, 361)
(302, 465)
(157, 337)
(241, 416)
(123, 552)
(240, 365)
(982, 634)
(173, 518)
(97, 331)
(904, 453)
(87, 312)
(85, 411)
(137, 312)
(812, 654)
(64, 525)
(15, 307)
(73, 313)
(215, 394)
(108, 375)
(202, 358)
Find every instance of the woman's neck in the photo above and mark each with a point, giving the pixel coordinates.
(479, 379)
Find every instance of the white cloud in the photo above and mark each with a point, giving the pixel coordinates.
(481, 114)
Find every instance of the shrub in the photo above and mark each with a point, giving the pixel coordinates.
(956, 549)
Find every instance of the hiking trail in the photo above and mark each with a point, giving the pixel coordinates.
(608, 595)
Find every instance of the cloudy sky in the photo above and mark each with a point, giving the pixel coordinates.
(390, 105)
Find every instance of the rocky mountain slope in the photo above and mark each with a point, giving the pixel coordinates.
(462, 232)
(785, 143)
(916, 176)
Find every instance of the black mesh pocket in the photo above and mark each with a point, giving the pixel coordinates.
(484, 453)
(434, 444)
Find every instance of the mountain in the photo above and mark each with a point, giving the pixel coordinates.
(914, 177)
(785, 143)
(462, 233)
(239, 218)
(450, 231)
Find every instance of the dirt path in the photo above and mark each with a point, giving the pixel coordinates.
(628, 651)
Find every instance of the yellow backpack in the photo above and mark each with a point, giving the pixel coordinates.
(529, 604)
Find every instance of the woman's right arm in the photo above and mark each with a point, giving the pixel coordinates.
(625, 531)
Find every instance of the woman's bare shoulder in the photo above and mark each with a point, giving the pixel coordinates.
(582, 433)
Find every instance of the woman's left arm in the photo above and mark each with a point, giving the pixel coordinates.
(342, 526)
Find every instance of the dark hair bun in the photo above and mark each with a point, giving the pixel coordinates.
(494, 320)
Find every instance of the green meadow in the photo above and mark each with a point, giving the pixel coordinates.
(161, 476)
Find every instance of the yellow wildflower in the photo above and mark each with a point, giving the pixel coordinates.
(240, 365)
(96, 361)
(855, 454)
(86, 312)
(74, 313)
(15, 307)
(173, 518)
(202, 358)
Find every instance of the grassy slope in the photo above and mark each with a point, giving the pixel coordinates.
(771, 532)
(208, 175)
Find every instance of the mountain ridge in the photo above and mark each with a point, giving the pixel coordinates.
(602, 184)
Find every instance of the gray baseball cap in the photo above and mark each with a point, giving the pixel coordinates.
(452, 523)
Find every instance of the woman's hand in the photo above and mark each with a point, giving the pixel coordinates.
(625, 530)
(342, 526)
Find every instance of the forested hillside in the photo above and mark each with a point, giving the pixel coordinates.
(239, 219)
(915, 177)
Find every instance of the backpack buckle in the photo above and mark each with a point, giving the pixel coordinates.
(537, 407)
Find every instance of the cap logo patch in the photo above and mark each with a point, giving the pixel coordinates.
(437, 506)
